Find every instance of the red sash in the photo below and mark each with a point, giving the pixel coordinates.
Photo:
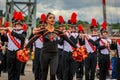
(41, 38)
(118, 41)
(92, 46)
(14, 40)
(104, 44)
(78, 43)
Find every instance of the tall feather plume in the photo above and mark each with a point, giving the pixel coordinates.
(24, 27)
(94, 22)
(118, 41)
(6, 24)
(20, 16)
(43, 17)
(80, 27)
(15, 14)
(73, 18)
(104, 25)
(74, 15)
(61, 20)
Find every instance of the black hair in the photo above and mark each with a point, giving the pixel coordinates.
(71, 23)
(81, 32)
(49, 13)
(61, 23)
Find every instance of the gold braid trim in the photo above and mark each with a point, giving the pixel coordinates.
(56, 32)
(45, 33)
(41, 30)
(61, 35)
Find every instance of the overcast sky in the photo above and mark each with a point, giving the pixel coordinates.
(86, 9)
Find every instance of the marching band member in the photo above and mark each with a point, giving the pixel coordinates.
(49, 54)
(16, 38)
(23, 64)
(81, 42)
(1, 50)
(90, 44)
(69, 66)
(115, 45)
(60, 49)
(104, 52)
(38, 45)
(113, 57)
(1, 58)
(4, 51)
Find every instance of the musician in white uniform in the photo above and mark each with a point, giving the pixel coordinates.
(16, 38)
(81, 42)
(23, 64)
(69, 66)
(104, 52)
(91, 45)
(3, 34)
(38, 44)
(60, 49)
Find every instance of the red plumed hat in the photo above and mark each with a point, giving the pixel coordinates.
(73, 19)
(104, 27)
(94, 24)
(61, 21)
(24, 27)
(14, 14)
(6, 24)
(43, 17)
(20, 16)
(118, 41)
(80, 28)
(74, 15)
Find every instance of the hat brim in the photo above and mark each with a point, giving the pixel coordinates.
(41, 24)
(103, 30)
(19, 22)
(72, 25)
(94, 29)
(62, 25)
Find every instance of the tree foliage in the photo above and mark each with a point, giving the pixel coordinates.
(85, 24)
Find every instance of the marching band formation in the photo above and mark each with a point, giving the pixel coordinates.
(64, 52)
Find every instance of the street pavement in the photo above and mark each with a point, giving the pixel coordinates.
(29, 74)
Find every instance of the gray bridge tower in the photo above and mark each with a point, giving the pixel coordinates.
(27, 7)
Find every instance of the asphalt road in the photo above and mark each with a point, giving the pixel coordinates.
(28, 74)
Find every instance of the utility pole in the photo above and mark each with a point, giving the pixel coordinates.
(105, 16)
(104, 10)
(1, 17)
